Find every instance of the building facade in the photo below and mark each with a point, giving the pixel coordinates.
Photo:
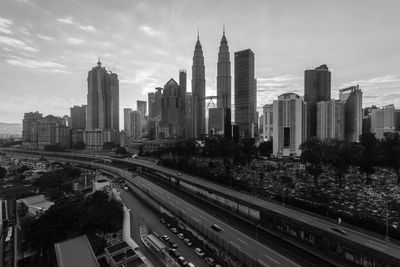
(102, 99)
(135, 124)
(317, 88)
(127, 122)
(173, 111)
(78, 117)
(352, 96)
(331, 119)
(30, 134)
(268, 122)
(383, 121)
(245, 93)
(189, 115)
(95, 139)
(198, 91)
(289, 124)
(154, 113)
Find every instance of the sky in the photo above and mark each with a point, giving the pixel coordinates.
(47, 47)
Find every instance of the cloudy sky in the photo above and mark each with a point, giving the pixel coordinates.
(48, 46)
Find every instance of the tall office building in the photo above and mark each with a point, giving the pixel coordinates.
(268, 120)
(352, 96)
(78, 117)
(383, 121)
(189, 115)
(127, 125)
(142, 108)
(172, 110)
(154, 112)
(245, 93)
(198, 91)
(397, 120)
(331, 119)
(289, 124)
(219, 118)
(103, 99)
(317, 88)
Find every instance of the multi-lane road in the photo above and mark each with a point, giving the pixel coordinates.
(250, 246)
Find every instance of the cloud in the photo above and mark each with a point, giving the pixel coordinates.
(33, 64)
(75, 41)
(87, 28)
(67, 20)
(148, 30)
(5, 26)
(45, 37)
(15, 43)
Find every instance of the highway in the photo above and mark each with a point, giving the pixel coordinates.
(253, 248)
(352, 235)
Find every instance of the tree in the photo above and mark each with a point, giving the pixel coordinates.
(391, 152)
(108, 145)
(265, 148)
(368, 155)
(120, 150)
(3, 172)
(80, 145)
(313, 151)
(339, 157)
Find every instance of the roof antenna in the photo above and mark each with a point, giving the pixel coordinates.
(223, 31)
(198, 33)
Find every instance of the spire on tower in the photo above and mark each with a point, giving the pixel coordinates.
(223, 28)
(98, 62)
(198, 33)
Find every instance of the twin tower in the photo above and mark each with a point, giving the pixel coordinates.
(222, 114)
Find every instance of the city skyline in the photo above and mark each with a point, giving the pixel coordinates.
(50, 45)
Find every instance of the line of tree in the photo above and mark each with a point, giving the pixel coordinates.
(340, 155)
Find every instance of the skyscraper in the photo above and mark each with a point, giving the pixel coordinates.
(224, 75)
(331, 119)
(198, 91)
(142, 108)
(317, 88)
(135, 124)
(245, 93)
(103, 99)
(127, 125)
(78, 117)
(268, 120)
(155, 112)
(352, 96)
(172, 110)
(289, 124)
(189, 115)
(30, 125)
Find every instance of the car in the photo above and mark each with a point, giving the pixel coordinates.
(162, 221)
(174, 230)
(179, 174)
(199, 252)
(339, 230)
(191, 264)
(180, 236)
(187, 242)
(165, 238)
(168, 225)
(174, 253)
(210, 261)
(173, 245)
(126, 188)
(216, 228)
(182, 261)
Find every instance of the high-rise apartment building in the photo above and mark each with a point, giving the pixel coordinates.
(383, 121)
(142, 108)
(198, 91)
(331, 119)
(103, 99)
(78, 117)
(173, 110)
(127, 120)
(397, 120)
(30, 133)
(317, 88)
(135, 124)
(352, 96)
(245, 93)
(289, 124)
(154, 112)
(268, 121)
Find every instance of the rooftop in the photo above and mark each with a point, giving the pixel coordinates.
(75, 252)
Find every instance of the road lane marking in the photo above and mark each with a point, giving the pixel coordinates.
(379, 244)
(277, 262)
(378, 248)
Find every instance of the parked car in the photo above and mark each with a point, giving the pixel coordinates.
(165, 238)
(174, 253)
(210, 261)
(199, 252)
(174, 230)
(191, 264)
(187, 242)
(216, 227)
(180, 236)
(162, 221)
(182, 261)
